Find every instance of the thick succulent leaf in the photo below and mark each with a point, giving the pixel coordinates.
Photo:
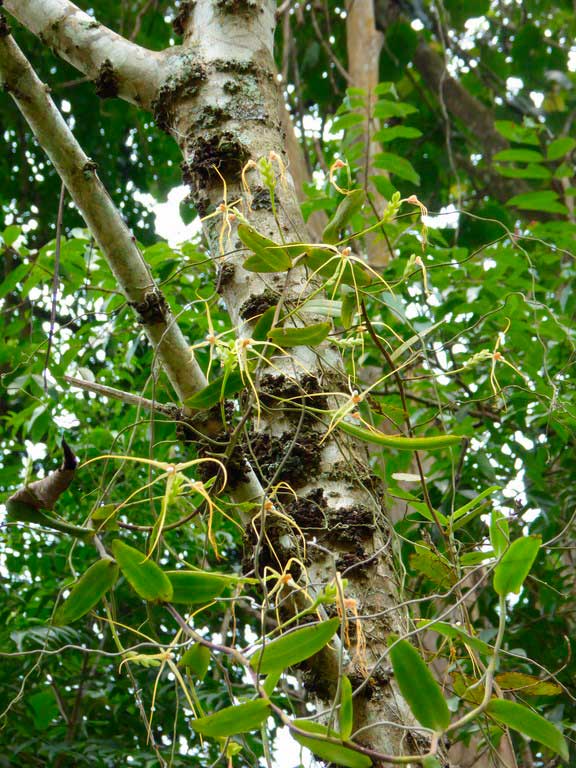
(334, 753)
(418, 686)
(196, 586)
(232, 720)
(87, 592)
(145, 577)
(294, 647)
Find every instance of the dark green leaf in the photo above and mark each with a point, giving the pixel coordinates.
(224, 386)
(267, 251)
(327, 263)
(397, 165)
(418, 686)
(264, 324)
(334, 753)
(294, 647)
(348, 207)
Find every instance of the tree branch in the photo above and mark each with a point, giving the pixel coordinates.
(78, 173)
(117, 66)
(116, 242)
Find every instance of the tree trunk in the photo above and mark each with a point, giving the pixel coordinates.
(233, 118)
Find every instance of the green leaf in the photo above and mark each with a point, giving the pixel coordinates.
(263, 324)
(271, 682)
(433, 567)
(347, 208)
(267, 251)
(397, 165)
(232, 720)
(499, 532)
(25, 513)
(560, 148)
(455, 633)
(518, 133)
(290, 649)
(461, 511)
(515, 565)
(334, 753)
(525, 721)
(384, 109)
(349, 309)
(538, 201)
(306, 336)
(519, 156)
(396, 132)
(13, 278)
(191, 587)
(197, 660)
(344, 122)
(475, 558)
(346, 712)
(531, 171)
(226, 385)
(44, 708)
(418, 686)
(399, 441)
(87, 592)
(431, 762)
(146, 578)
(256, 264)
(11, 234)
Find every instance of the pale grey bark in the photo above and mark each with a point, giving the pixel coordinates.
(104, 56)
(234, 118)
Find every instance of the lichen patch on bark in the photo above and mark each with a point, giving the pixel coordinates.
(106, 83)
(221, 151)
(152, 310)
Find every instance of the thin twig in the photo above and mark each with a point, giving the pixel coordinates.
(55, 282)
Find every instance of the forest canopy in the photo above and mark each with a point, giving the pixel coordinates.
(288, 468)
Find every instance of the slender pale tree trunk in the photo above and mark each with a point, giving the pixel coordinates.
(364, 44)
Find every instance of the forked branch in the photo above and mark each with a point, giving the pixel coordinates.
(117, 66)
